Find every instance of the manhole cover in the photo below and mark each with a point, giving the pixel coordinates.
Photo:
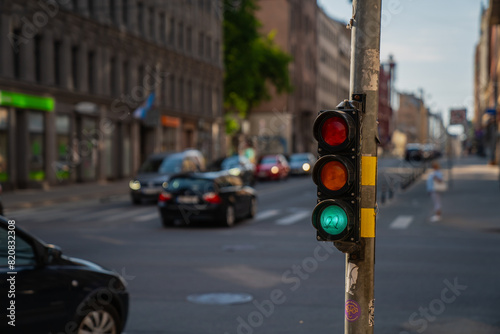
(220, 298)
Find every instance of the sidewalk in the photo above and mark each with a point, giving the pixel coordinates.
(31, 198)
(473, 196)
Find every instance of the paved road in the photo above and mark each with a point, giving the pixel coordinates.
(430, 277)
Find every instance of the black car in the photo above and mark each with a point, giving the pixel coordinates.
(45, 291)
(236, 165)
(158, 167)
(215, 196)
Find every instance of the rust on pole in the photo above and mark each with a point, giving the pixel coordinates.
(364, 81)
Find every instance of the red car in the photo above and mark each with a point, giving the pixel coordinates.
(272, 167)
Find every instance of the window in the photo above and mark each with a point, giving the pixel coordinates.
(38, 58)
(163, 28)
(4, 176)
(190, 95)
(63, 144)
(172, 91)
(201, 44)
(57, 63)
(112, 10)
(125, 12)
(126, 77)
(36, 154)
(91, 8)
(152, 21)
(172, 32)
(113, 87)
(17, 54)
(180, 39)
(25, 256)
(140, 18)
(189, 39)
(181, 93)
(91, 72)
(209, 47)
(74, 67)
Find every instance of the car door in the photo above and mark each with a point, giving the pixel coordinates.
(40, 293)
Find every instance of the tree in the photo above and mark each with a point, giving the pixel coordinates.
(253, 62)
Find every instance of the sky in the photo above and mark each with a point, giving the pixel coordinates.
(433, 44)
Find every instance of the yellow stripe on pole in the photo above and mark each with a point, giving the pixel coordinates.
(368, 171)
(367, 223)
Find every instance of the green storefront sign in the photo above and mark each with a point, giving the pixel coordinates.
(25, 101)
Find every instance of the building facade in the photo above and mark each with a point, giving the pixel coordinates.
(74, 73)
(385, 112)
(486, 91)
(412, 118)
(334, 60)
(284, 124)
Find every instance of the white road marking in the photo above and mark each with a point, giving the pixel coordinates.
(292, 219)
(401, 222)
(146, 217)
(266, 214)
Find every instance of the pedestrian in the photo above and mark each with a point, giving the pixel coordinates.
(249, 151)
(435, 177)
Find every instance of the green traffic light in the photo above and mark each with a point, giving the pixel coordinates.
(333, 220)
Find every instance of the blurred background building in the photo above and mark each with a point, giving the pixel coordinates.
(283, 124)
(89, 88)
(486, 138)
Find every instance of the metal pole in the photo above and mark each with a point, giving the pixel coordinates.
(365, 68)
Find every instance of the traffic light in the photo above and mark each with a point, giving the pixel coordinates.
(336, 216)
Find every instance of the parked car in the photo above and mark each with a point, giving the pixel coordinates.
(214, 196)
(272, 167)
(414, 152)
(157, 169)
(302, 163)
(237, 165)
(53, 293)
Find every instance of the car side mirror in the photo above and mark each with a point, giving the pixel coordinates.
(52, 253)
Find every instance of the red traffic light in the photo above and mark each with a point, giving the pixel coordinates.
(334, 130)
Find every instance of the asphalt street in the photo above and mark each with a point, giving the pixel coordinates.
(429, 277)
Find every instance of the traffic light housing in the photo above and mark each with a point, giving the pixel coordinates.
(336, 216)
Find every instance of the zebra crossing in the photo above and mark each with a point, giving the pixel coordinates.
(138, 214)
(133, 214)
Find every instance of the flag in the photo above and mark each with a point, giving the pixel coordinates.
(143, 109)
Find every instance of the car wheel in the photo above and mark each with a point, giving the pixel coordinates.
(253, 208)
(136, 200)
(103, 319)
(229, 217)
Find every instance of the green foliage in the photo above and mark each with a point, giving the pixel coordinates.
(253, 63)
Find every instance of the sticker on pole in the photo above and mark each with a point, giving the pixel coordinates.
(352, 310)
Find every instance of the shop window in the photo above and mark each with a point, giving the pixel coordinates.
(4, 176)
(36, 161)
(62, 166)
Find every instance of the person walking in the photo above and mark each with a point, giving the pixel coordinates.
(436, 176)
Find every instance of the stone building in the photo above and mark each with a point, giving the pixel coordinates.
(284, 124)
(72, 74)
(334, 60)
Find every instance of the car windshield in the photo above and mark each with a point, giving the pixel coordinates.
(151, 165)
(230, 162)
(171, 165)
(196, 185)
(268, 160)
(299, 158)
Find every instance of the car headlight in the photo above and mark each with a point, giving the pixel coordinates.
(234, 171)
(306, 167)
(134, 185)
(275, 170)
